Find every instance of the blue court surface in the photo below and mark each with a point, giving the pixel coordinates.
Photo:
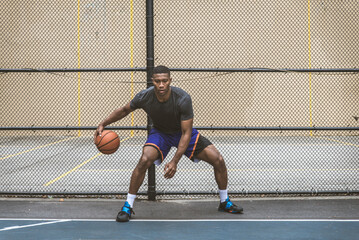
(278, 218)
(179, 229)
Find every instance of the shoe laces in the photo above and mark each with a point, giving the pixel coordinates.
(229, 204)
(127, 209)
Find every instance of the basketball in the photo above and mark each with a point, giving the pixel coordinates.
(108, 143)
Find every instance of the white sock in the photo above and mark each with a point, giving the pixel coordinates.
(130, 199)
(223, 195)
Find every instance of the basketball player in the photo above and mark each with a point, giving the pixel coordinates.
(170, 109)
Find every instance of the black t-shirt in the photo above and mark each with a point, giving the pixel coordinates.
(166, 116)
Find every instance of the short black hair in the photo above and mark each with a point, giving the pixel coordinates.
(161, 69)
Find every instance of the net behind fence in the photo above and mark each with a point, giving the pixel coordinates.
(100, 35)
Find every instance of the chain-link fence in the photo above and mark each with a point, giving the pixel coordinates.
(248, 66)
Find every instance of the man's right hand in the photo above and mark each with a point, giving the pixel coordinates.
(115, 116)
(99, 131)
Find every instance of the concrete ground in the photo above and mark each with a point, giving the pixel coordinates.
(346, 207)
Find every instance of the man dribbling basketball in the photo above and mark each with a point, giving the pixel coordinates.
(170, 109)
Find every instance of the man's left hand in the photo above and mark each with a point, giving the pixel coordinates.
(170, 169)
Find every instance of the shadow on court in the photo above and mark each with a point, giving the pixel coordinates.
(269, 218)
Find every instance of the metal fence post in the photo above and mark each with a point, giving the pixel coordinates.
(149, 68)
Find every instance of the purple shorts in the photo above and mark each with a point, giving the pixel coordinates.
(164, 141)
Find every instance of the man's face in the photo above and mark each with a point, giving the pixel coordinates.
(161, 82)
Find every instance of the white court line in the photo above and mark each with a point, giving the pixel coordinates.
(183, 220)
(31, 225)
(248, 220)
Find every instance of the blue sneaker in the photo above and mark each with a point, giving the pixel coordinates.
(228, 206)
(125, 214)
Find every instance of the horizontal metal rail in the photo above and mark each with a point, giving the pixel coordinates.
(279, 192)
(143, 69)
(31, 193)
(185, 193)
(68, 128)
(214, 128)
(299, 70)
(45, 70)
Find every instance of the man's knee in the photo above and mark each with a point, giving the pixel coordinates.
(219, 163)
(217, 159)
(144, 163)
(148, 157)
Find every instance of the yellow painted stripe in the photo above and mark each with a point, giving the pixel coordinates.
(36, 148)
(310, 74)
(309, 37)
(131, 43)
(78, 166)
(105, 170)
(341, 142)
(79, 66)
(72, 170)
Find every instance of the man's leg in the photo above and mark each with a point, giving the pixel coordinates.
(149, 155)
(212, 156)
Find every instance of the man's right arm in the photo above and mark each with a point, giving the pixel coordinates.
(115, 116)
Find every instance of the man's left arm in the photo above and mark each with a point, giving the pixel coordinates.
(171, 167)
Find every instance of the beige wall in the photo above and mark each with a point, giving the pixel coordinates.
(197, 34)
